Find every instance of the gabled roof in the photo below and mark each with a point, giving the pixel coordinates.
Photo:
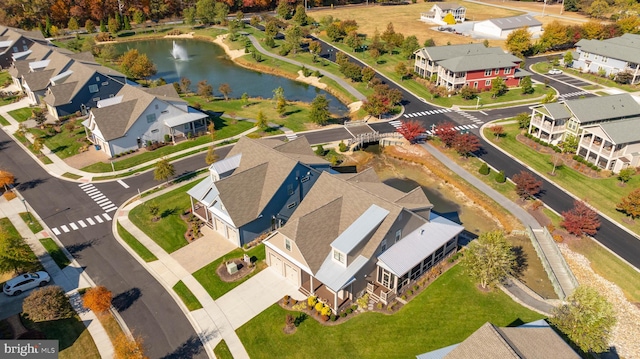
(369, 181)
(604, 107)
(623, 131)
(437, 53)
(479, 62)
(557, 111)
(113, 121)
(515, 22)
(625, 47)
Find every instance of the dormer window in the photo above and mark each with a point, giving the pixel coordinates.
(287, 244)
(338, 256)
(398, 235)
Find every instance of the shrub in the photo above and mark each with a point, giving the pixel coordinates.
(500, 177)
(167, 138)
(319, 306)
(343, 315)
(174, 32)
(484, 169)
(104, 36)
(349, 311)
(319, 150)
(343, 147)
(334, 317)
(48, 303)
(311, 301)
(354, 307)
(125, 348)
(97, 299)
(326, 311)
(379, 305)
(558, 238)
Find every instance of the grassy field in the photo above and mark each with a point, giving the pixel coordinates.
(222, 351)
(169, 229)
(214, 285)
(46, 160)
(543, 67)
(31, 221)
(55, 252)
(71, 175)
(447, 312)
(485, 97)
(602, 193)
(64, 144)
(187, 296)
(21, 114)
(74, 340)
(225, 128)
(7, 227)
(141, 250)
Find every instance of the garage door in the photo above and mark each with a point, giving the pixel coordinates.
(233, 235)
(220, 227)
(291, 274)
(276, 264)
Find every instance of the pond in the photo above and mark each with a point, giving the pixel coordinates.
(207, 61)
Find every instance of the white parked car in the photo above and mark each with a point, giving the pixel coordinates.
(25, 282)
(554, 72)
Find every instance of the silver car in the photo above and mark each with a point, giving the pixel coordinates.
(25, 282)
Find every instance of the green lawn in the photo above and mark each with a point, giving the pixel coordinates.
(169, 231)
(447, 312)
(187, 296)
(225, 128)
(543, 67)
(31, 221)
(71, 175)
(21, 114)
(7, 227)
(141, 250)
(602, 193)
(214, 285)
(222, 351)
(485, 97)
(55, 252)
(4, 122)
(74, 340)
(5, 78)
(66, 143)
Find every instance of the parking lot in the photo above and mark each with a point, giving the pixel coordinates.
(570, 80)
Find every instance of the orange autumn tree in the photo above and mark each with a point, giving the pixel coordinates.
(97, 299)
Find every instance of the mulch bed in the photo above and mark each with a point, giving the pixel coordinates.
(243, 270)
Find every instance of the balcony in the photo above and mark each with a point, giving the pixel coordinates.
(546, 125)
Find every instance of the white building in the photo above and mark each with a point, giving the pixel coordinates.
(611, 56)
(439, 11)
(501, 28)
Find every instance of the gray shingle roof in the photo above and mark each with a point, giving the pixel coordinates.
(515, 22)
(112, 120)
(557, 110)
(447, 52)
(623, 131)
(479, 62)
(625, 47)
(605, 107)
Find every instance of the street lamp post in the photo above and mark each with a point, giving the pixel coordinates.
(478, 102)
(544, 6)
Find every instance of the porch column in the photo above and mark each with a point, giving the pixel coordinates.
(206, 213)
(395, 283)
(335, 300)
(312, 289)
(191, 200)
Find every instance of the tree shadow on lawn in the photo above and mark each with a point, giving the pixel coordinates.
(124, 300)
(59, 149)
(522, 261)
(288, 113)
(169, 211)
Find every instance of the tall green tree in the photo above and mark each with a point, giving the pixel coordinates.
(319, 112)
(598, 9)
(292, 37)
(137, 65)
(300, 16)
(221, 11)
(519, 42)
(526, 85)
(409, 46)
(189, 15)
(489, 259)
(163, 170)
(261, 120)
(284, 10)
(90, 26)
(587, 319)
(498, 87)
(113, 25)
(73, 24)
(212, 156)
(206, 11)
(15, 254)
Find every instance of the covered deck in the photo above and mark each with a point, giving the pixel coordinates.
(324, 294)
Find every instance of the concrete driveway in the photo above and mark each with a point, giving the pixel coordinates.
(255, 295)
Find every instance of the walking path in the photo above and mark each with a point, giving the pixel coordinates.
(558, 267)
(70, 278)
(219, 318)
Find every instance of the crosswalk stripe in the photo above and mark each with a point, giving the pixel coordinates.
(82, 224)
(56, 231)
(123, 184)
(64, 228)
(98, 219)
(406, 115)
(110, 209)
(91, 222)
(102, 201)
(92, 191)
(73, 226)
(107, 205)
(97, 195)
(85, 185)
(474, 126)
(106, 216)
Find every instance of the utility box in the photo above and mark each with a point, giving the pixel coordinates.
(232, 268)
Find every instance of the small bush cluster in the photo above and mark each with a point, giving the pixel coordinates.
(48, 303)
(305, 71)
(117, 155)
(593, 166)
(174, 32)
(104, 36)
(343, 147)
(484, 169)
(544, 143)
(500, 177)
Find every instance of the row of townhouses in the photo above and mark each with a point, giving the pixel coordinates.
(335, 236)
(615, 55)
(118, 117)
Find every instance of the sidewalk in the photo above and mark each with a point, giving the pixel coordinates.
(59, 167)
(70, 278)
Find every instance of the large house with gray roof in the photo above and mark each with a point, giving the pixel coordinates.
(136, 117)
(611, 56)
(438, 11)
(353, 234)
(500, 28)
(14, 40)
(65, 81)
(604, 126)
(535, 340)
(472, 65)
(256, 188)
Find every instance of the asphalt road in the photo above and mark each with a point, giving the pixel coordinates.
(144, 304)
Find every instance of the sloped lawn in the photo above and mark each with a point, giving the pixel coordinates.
(447, 312)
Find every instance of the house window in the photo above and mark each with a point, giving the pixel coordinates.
(186, 126)
(487, 72)
(496, 71)
(156, 106)
(604, 59)
(451, 242)
(25, 48)
(15, 49)
(155, 131)
(97, 78)
(339, 256)
(507, 70)
(487, 83)
(165, 111)
(151, 118)
(291, 205)
(398, 235)
(475, 84)
(105, 83)
(383, 245)
(287, 244)
(93, 88)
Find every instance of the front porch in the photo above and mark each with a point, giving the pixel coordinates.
(378, 293)
(312, 286)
